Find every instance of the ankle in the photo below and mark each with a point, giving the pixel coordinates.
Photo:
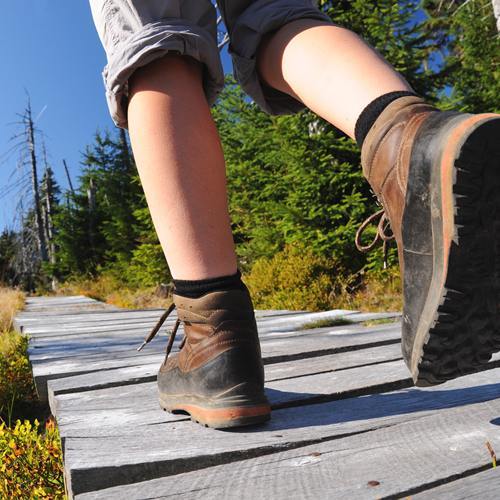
(371, 113)
(196, 288)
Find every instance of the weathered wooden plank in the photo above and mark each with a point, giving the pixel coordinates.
(137, 405)
(59, 300)
(386, 462)
(63, 346)
(418, 437)
(95, 316)
(147, 372)
(42, 305)
(55, 326)
(98, 406)
(481, 486)
(292, 346)
(289, 322)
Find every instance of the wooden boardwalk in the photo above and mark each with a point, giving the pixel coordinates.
(347, 422)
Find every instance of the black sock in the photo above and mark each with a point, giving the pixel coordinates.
(196, 288)
(370, 114)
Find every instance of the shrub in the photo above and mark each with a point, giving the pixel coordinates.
(30, 461)
(295, 278)
(147, 267)
(16, 382)
(377, 290)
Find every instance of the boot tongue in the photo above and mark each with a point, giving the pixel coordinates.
(201, 316)
(396, 112)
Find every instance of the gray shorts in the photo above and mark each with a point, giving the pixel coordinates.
(135, 32)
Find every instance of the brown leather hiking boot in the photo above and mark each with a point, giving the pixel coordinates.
(437, 176)
(218, 376)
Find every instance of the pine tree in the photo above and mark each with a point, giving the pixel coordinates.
(8, 275)
(296, 179)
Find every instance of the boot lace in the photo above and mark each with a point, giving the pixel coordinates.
(383, 225)
(156, 329)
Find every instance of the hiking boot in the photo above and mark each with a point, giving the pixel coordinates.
(437, 176)
(218, 376)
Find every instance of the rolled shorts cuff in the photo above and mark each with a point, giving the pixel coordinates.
(260, 18)
(151, 42)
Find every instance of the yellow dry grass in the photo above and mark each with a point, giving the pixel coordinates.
(108, 289)
(11, 301)
(381, 292)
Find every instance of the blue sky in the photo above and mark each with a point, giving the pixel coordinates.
(51, 49)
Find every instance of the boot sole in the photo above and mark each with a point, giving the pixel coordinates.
(211, 414)
(458, 330)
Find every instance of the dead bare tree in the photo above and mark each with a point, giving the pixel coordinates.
(222, 35)
(69, 177)
(27, 119)
(48, 194)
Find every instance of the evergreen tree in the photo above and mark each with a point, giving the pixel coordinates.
(8, 249)
(109, 167)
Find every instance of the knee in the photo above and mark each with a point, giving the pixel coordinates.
(170, 69)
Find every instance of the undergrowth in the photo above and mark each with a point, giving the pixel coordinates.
(30, 452)
(295, 278)
(31, 462)
(110, 289)
(298, 279)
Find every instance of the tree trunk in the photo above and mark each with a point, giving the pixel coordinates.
(91, 208)
(39, 229)
(50, 225)
(125, 149)
(68, 177)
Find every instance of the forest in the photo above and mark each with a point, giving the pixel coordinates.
(296, 191)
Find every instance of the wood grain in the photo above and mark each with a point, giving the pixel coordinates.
(401, 439)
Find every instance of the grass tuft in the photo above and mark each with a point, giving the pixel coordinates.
(380, 321)
(11, 301)
(323, 323)
(111, 290)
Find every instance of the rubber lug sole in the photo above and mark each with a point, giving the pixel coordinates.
(219, 417)
(465, 329)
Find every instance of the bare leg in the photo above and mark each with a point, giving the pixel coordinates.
(328, 68)
(180, 161)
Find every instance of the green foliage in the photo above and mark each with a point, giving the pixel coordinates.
(30, 458)
(147, 267)
(294, 181)
(291, 179)
(96, 226)
(16, 382)
(476, 54)
(295, 278)
(7, 255)
(30, 461)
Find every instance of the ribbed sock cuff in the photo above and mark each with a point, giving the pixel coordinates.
(370, 114)
(196, 288)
